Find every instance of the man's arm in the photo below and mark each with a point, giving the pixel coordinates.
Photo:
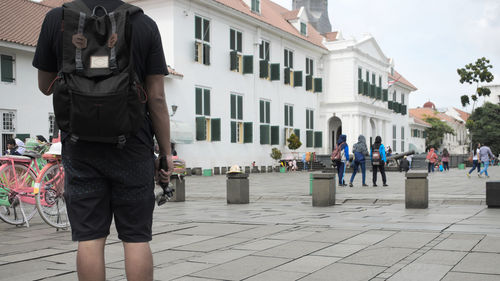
(158, 111)
(45, 80)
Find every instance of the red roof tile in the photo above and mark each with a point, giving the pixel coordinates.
(21, 20)
(464, 115)
(420, 121)
(398, 77)
(272, 14)
(423, 113)
(331, 36)
(291, 15)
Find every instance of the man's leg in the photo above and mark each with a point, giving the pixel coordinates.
(363, 171)
(354, 170)
(138, 261)
(90, 260)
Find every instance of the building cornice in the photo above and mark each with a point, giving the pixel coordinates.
(16, 46)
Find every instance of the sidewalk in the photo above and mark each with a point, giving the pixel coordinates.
(280, 236)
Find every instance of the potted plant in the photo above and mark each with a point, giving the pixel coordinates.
(276, 155)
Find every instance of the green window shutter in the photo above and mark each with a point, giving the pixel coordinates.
(264, 134)
(206, 105)
(425, 134)
(309, 82)
(318, 85)
(248, 132)
(240, 107)
(262, 110)
(233, 106)
(199, 101)
(206, 30)
(379, 93)
(232, 39)
(247, 64)
(286, 115)
(239, 41)
(7, 68)
(318, 139)
(297, 78)
(390, 104)
(385, 95)
(206, 54)
(366, 89)
(275, 71)
(290, 108)
(215, 124)
(307, 119)
(297, 133)
(372, 91)
(360, 86)
(233, 58)
(196, 53)
(287, 76)
(311, 119)
(403, 110)
(197, 28)
(309, 138)
(268, 112)
(233, 131)
(264, 69)
(275, 135)
(201, 128)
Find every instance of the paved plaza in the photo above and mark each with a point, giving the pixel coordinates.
(368, 235)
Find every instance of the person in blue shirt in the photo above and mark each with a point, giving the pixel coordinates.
(344, 158)
(378, 158)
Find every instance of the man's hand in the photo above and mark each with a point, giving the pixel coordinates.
(163, 176)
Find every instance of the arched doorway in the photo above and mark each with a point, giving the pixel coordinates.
(335, 130)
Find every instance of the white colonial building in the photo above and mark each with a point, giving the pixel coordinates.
(24, 110)
(363, 94)
(494, 96)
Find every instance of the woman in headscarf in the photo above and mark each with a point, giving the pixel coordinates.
(431, 160)
(344, 158)
(360, 150)
(378, 159)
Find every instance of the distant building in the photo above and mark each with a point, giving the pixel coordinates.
(317, 12)
(494, 95)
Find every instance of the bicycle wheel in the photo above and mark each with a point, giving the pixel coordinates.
(19, 201)
(49, 196)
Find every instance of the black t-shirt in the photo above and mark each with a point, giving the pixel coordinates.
(148, 60)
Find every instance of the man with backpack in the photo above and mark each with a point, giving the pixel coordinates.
(340, 157)
(104, 62)
(378, 160)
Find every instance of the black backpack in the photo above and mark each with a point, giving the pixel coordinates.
(97, 96)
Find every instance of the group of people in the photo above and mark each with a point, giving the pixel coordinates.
(433, 160)
(16, 146)
(482, 154)
(378, 159)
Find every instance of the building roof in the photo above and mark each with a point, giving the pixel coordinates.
(423, 113)
(54, 3)
(464, 115)
(420, 121)
(291, 15)
(273, 14)
(400, 79)
(21, 20)
(331, 36)
(430, 105)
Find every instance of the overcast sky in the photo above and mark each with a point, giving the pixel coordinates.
(428, 39)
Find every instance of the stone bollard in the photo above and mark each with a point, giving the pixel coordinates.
(216, 170)
(493, 194)
(179, 185)
(237, 188)
(323, 189)
(262, 169)
(416, 190)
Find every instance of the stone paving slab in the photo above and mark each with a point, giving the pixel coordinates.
(421, 272)
(382, 256)
(441, 257)
(277, 275)
(463, 276)
(488, 263)
(342, 272)
(307, 264)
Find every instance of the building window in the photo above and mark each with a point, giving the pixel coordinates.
(256, 6)
(394, 144)
(235, 45)
(367, 76)
(402, 139)
(303, 28)
(7, 68)
(373, 78)
(52, 119)
(8, 121)
(394, 96)
(313, 139)
(380, 81)
(241, 132)
(360, 73)
(309, 67)
(207, 127)
(309, 119)
(264, 48)
(288, 115)
(268, 134)
(288, 59)
(402, 98)
(202, 40)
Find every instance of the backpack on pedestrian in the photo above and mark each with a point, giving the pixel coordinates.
(97, 94)
(336, 155)
(376, 156)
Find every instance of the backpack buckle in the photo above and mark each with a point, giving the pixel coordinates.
(74, 138)
(121, 141)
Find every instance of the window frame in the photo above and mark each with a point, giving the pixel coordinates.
(255, 6)
(309, 66)
(262, 50)
(13, 65)
(288, 57)
(303, 28)
(201, 42)
(237, 47)
(204, 114)
(309, 119)
(288, 114)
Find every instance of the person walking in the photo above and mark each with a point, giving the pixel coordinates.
(431, 160)
(485, 155)
(360, 150)
(475, 160)
(342, 150)
(107, 181)
(445, 159)
(378, 158)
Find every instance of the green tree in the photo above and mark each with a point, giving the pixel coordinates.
(294, 142)
(484, 126)
(436, 133)
(476, 73)
(276, 154)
